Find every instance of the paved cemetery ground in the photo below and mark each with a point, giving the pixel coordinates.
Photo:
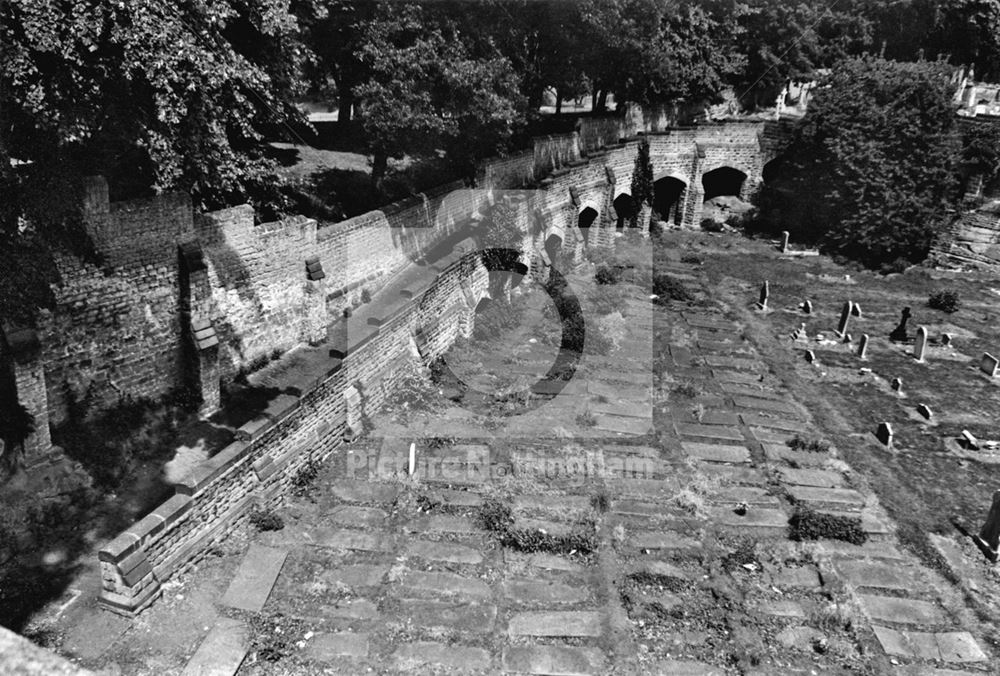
(640, 516)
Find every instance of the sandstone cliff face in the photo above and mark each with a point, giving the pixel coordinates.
(973, 240)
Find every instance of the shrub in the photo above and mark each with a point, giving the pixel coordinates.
(601, 501)
(266, 519)
(495, 516)
(366, 297)
(608, 275)
(306, 477)
(496, 318)
(687, 390)
(667, 288)
(798, 443)
(808, 524)
(586, 419)
(946, 301)
(691, 259)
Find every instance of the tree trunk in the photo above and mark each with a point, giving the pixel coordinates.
(380, 165)
(558, 102)
(602, 101)
(593, 100)
(345, 104)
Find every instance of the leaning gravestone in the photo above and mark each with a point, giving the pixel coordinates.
(863, 347)
(899, 333)
(800, 333)
(897, 384)
(856, 310)
(946, 339)
(765, 292)
(970, 441)
(848, 339)
(784, 241)
(845, 318)
(807, 306)
(925, 411)
(920, 345)
(884, 434)
(989, 537)
(810, 356)
(989, 365)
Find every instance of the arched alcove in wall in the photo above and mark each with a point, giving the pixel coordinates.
(586, 219)
(625, 210)
(668, 193)
(723, 181)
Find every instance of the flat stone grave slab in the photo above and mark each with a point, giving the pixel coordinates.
(738, 363)
(327, 647)
(553, 660)
(761, 420)
(756, 518)
(747, 390)
(535, 592)
(474, 617)
(442, 523)
(871, 524)
(751, 495)
(952, 647)
(735, 377)
(789, 609)
(798, 577)
(464, 659)
(680, 355)
(656, 540)
(356, 517)
(724, 346)
(549, 504)
(620, 425)
(356, 575)
(254, 578)
(364, 491)
(456, 498)
(221, 652)
(643, 488)
(440, 583)
(713, 322)
(556, 623)
(716, 453)
(877, 575)
(759, 404)
(347, 540)
(634, 378)
(818, 478)
(767, 436)
(720, 418)
(708, 431)
(642, 409)
(349, 609)
(544, 561)
(443, 551)
(617, 393)
(901, 611)
(830, 496)
(687, 668)
(737, 475)
(781, 452)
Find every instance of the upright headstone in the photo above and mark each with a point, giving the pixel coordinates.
(897, 384)
(925, 411)
(800, 333)
(899, 333)
(863, 347)
(946, 339)
(845, 318)
(810, 356)
(807, 306)
(856, 310)
(920, 345)
(765, 291)
(989, 365)
(989, 537)
(848, 339)
(884, 434)
(784, 241)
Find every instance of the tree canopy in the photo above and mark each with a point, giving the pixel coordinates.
(872, 171)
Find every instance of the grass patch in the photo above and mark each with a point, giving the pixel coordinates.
(686, 390)
(266, 519)
(496, 517)
(273, 636)
(668, 288)
(808, 524)
(608, 275)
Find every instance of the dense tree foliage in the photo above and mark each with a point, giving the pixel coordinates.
(871, 173)
(426, 92)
